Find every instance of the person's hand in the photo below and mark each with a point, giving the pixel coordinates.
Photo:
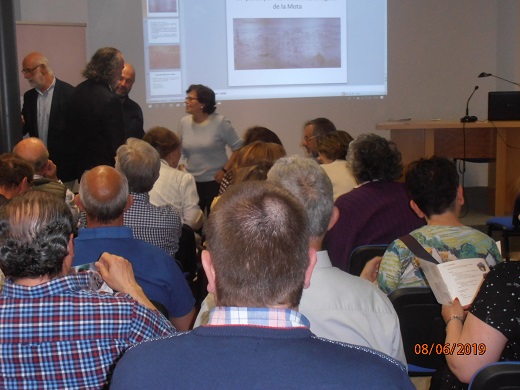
(50, 170)
(117, 272)
(455, 309)
(371, 269)
(219, 176)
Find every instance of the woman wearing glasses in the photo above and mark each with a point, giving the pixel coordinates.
(204, 136)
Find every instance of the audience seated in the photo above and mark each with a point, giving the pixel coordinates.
(332, 153)
(436, 195)
(255, 133)
(16, 176)
(491, 328)
(312, 131)
(34, 151)
(56, 333)
(255, 336)
(339, 306)
(103, 196)
(174, 186)
(158, 225)
(378, 210)
(257, 152)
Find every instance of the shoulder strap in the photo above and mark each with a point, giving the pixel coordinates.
(417, 249)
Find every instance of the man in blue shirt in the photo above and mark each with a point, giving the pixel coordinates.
(103, 196)
(257, 263)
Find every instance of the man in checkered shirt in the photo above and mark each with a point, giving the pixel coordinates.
(158, 225)
(56, 332)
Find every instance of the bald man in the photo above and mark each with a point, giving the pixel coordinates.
(104, 197)
(45, 107)
(33, 151)
(132, 111)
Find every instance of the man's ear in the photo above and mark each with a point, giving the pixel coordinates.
(333, 218)
(207, 264)
(78, 202)
(69, 258)
(129, 202)
(416, 209)
(313, 259)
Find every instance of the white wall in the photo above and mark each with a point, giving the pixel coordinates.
(436, 49)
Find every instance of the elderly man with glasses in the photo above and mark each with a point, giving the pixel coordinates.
(45, 107)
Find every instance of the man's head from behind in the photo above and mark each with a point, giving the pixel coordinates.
(35, 235)
(140, 163)
(16, 175)
(257, 247)
(433, 184)
(34, 151)
(105, 66)
(309, 183)
(103, 194)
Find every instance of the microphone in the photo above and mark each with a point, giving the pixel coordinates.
(467, 118)
(484, 74)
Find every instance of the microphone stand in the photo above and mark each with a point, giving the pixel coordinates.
(468, 118)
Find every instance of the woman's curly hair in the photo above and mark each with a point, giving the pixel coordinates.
(372, 157)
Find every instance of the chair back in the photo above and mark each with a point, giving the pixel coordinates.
(497, 376)
(422, 326)
(362, 254)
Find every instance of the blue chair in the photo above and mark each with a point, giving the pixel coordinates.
(497, 376)
(509, 226)
(421, 325)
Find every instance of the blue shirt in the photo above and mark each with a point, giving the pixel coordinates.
(156, 272)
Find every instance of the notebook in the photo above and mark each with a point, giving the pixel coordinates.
(504, 106)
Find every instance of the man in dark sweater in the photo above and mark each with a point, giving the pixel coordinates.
(257, 263)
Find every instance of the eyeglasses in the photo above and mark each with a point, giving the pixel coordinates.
(190, 99)
(307, 139)
(30, 70)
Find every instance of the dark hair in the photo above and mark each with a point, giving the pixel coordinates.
(372, 157)
(321, 127)
(163, 140)
(258, 238)
(259, 133)
(432, 184)
(205, 96)
(35, 229)
(13, 170)
(104, 65)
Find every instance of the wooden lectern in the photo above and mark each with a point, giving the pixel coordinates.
(498, 141)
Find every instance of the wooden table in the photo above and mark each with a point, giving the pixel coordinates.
(498, 141)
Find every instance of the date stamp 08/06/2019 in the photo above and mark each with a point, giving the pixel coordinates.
(450, 349)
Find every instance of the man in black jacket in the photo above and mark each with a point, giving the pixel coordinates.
(45, 108)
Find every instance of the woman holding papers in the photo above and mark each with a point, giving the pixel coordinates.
(433, 185)
(489, 333)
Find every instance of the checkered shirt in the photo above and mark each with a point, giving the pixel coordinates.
(258, 316)
(159, 225)
(57, 335)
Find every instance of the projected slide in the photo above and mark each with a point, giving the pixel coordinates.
(259, 49)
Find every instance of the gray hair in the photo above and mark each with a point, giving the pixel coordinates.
(104, 210)
(140, 163)
(308, 182)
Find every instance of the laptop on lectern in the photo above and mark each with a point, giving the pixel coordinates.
(504, 106)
